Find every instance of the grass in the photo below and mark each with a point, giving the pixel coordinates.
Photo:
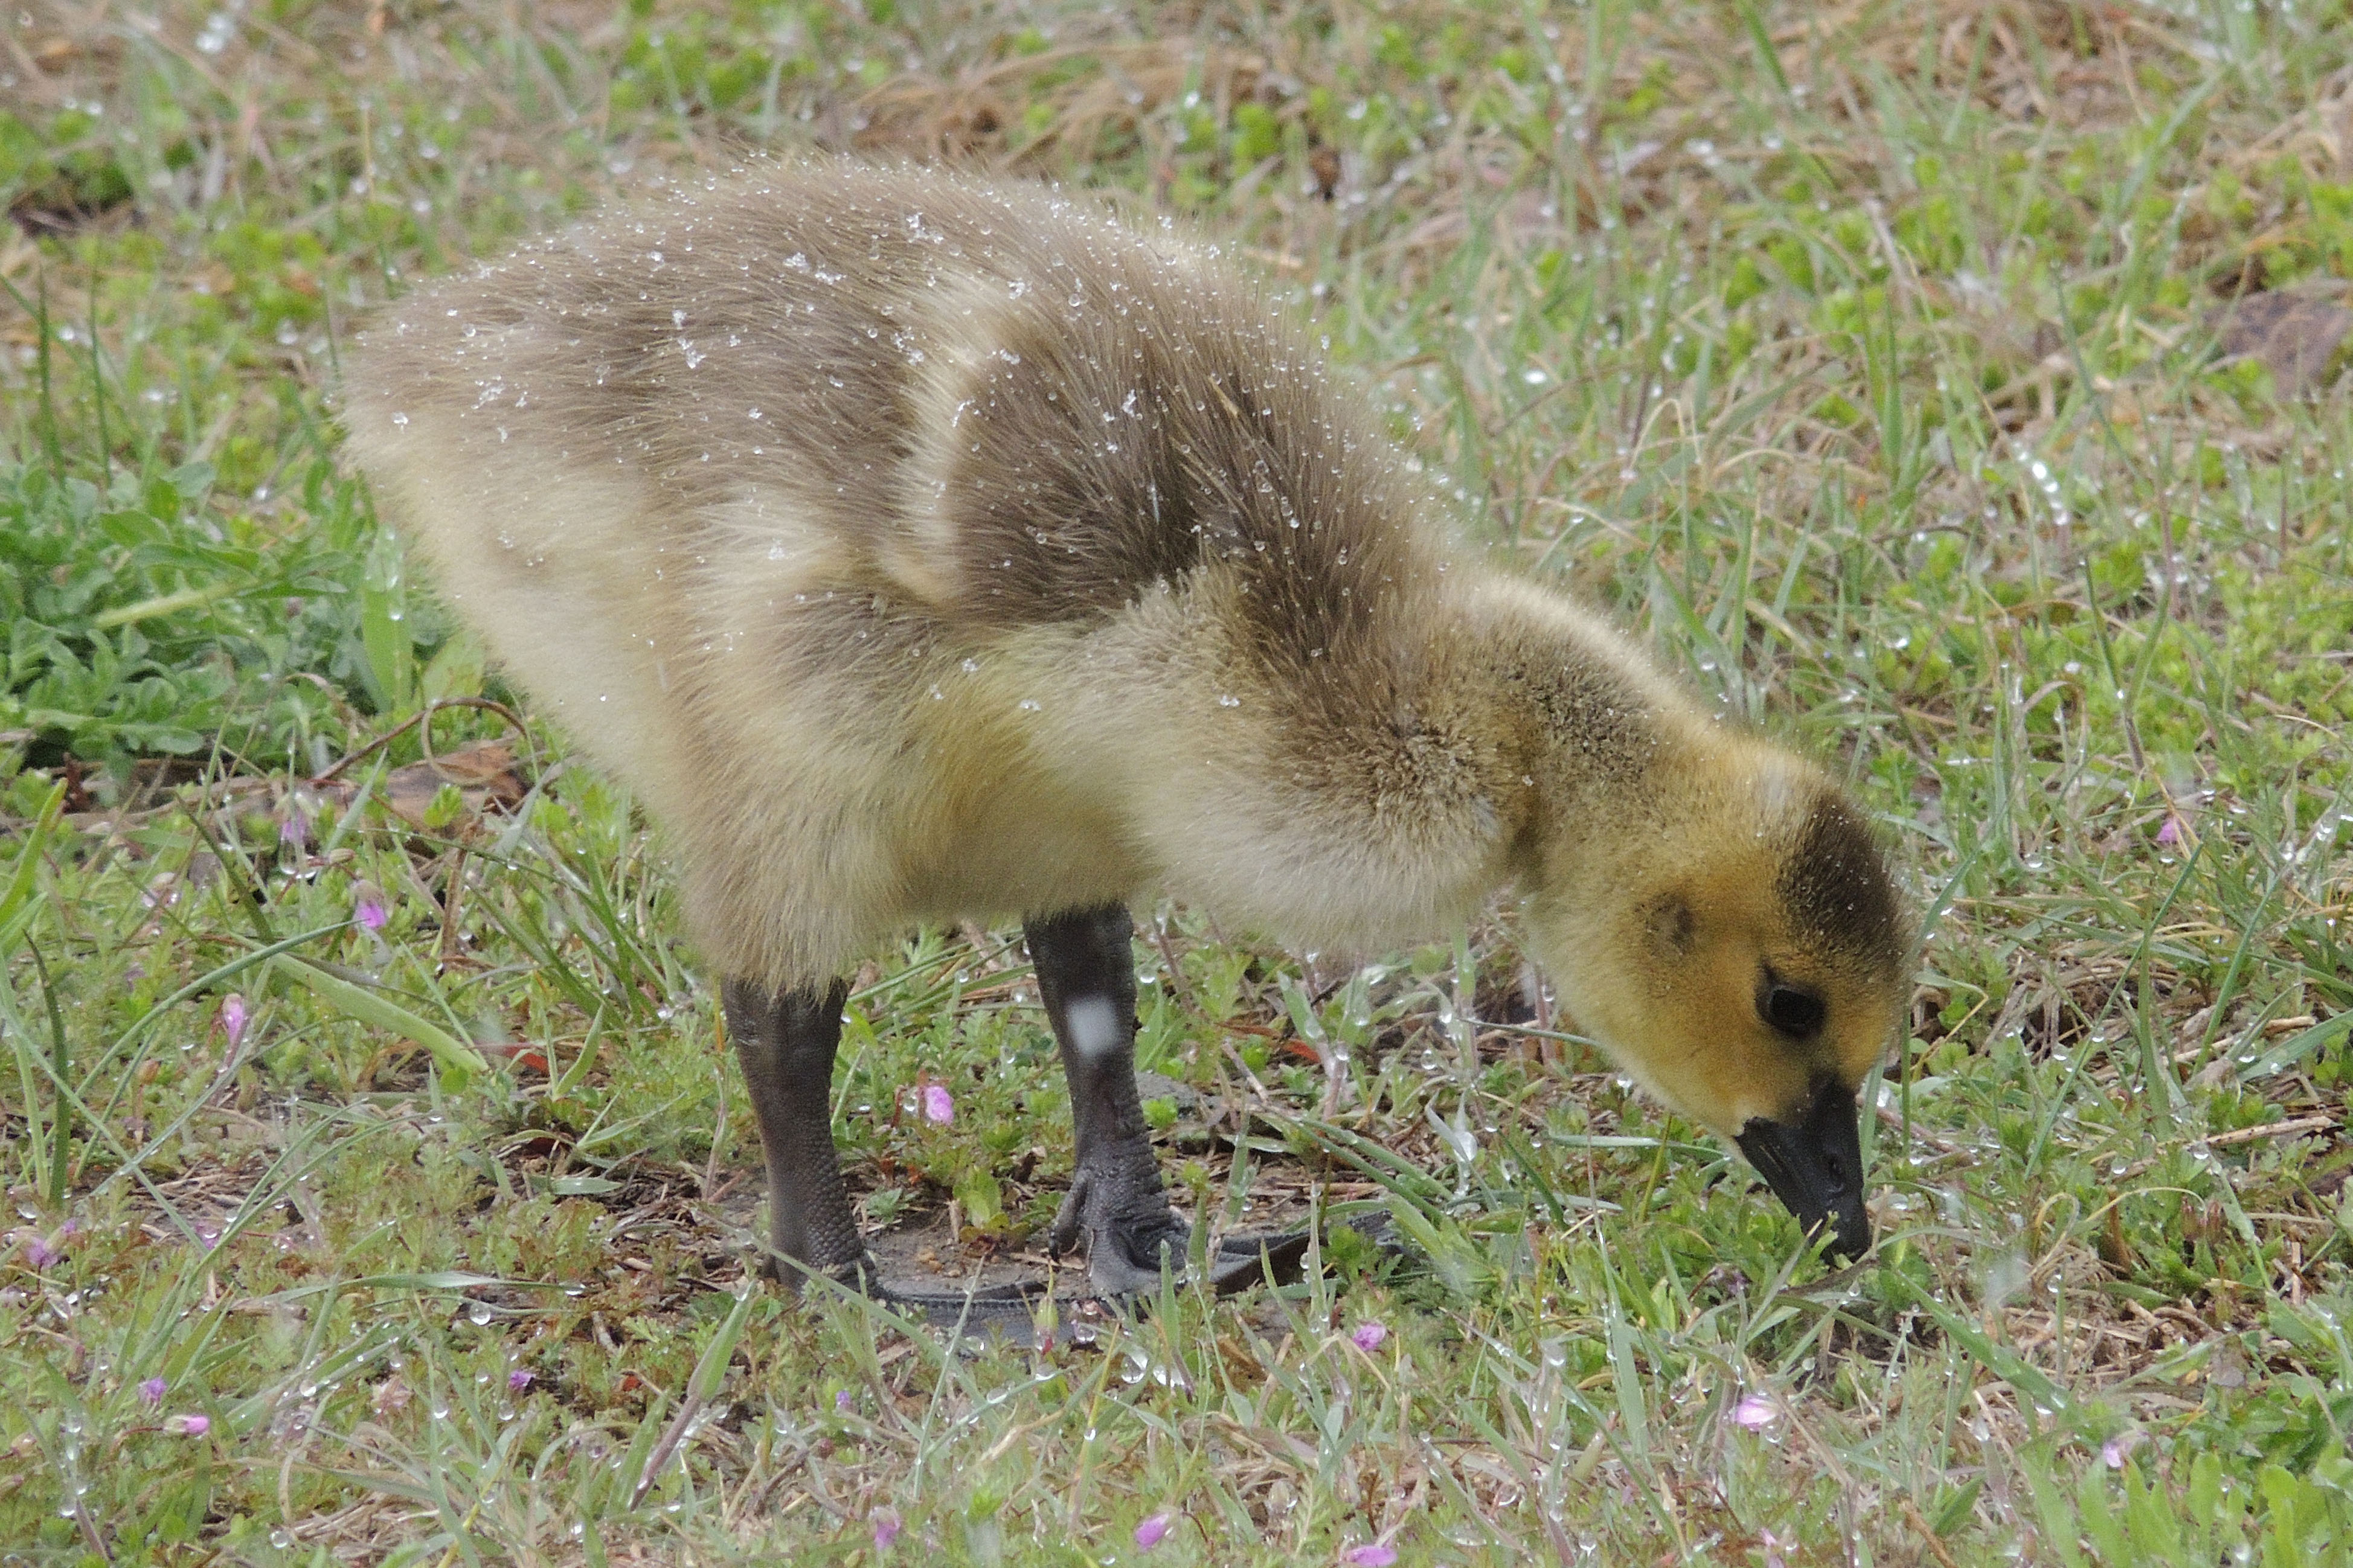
(1898, 367)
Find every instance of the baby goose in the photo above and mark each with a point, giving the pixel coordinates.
(922, 549)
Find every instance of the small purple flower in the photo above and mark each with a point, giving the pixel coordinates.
(294, 828)
(520, 1379)
(1153, 1530)
(1754, 1411)
(886, 1529)
(841, 1400)
(2112, 1454)
(151, 1393)
(368, 906)
(1371, 1556)
(187, 1425)
(938, 1106)
(233, 1018)
(1369, 1336)
(2170, 834)
(40, 1254)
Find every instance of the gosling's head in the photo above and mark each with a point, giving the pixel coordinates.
(1742, 952)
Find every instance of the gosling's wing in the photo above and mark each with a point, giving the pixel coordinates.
(1103, 417)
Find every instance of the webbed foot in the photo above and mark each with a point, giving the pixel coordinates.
(1132, 1237)
(1243, 1261)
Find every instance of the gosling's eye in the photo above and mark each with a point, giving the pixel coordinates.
(1793, 1010)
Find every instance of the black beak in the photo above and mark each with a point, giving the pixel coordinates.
(1815, 1167)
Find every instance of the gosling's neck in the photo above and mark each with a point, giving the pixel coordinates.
(1607, 751)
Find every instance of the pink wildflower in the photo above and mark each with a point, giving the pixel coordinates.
(368, 906)
(294, 827)
(1754, 1411)
(233, 1018)
(938, 1105)
(886, 1529)
(40, 1254)
(841, 1400)
(187, 1425)
(1152, 1532)
(2170, 834)
(151, 1393)
(520, 1379)
(1369, 1336)
(1371, 1556)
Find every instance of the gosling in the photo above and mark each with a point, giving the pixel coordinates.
(920, 549)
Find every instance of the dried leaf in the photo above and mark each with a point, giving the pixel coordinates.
(484, 772)
(2294, 334)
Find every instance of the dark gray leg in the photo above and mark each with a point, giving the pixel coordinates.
(1086, 976)
(785, 1042)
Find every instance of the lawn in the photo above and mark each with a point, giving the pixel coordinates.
(1949, 388)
